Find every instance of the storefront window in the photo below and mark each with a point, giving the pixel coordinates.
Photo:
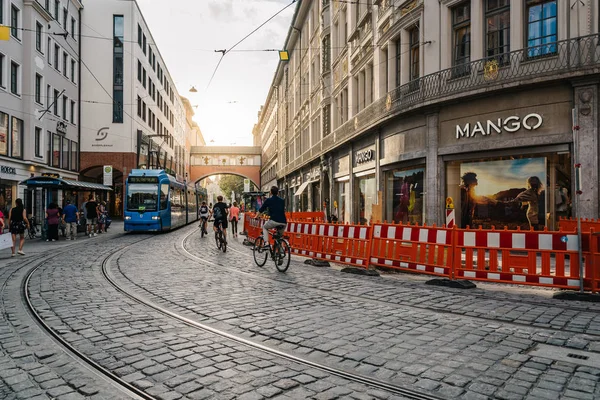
(74, 166)
(17, 138)
(367, 196)
(405, 196)
(3, 134)
(515, 192)
(65, 153)
(5, 199)
(56, 151)
(342, 206)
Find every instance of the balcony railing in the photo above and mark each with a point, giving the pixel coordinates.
(574, 56)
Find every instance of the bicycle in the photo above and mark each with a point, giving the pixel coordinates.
(220, 239)
(203, 224)
(32, 231)
(280, 251)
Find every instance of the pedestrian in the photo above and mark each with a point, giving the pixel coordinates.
(70, 219)
(101, 217)
(18, 223)
(91, 209)
(234, 217)
(53, 219)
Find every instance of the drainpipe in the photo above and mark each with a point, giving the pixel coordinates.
(79, 94)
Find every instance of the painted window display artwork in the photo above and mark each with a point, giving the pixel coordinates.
(501, 193)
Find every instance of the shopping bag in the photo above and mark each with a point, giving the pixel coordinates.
(6, 241)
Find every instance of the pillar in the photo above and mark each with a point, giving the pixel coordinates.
(586, 149)
(391, 62)
(435, 193)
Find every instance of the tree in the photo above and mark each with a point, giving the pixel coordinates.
(230, 183)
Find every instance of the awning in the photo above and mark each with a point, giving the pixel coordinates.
(58, 183)
(301, 188)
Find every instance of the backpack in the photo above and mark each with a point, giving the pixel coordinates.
(217, 213)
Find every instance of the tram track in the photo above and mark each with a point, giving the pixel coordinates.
(350, 376)
(65, 346)
(515, 303)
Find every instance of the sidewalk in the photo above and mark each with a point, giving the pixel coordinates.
(37, 246)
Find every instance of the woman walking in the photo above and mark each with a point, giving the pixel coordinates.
(18, 223)
(53, 217)
(234, 215)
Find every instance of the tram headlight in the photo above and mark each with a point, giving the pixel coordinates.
(127, 218)
(156, 217)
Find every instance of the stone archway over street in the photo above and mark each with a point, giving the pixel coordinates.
(244, 161)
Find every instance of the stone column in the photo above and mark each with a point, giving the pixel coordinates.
(391, 62)
(478, 30)
(369, 84)
(435, 193)
(361, 92)
(586, 148)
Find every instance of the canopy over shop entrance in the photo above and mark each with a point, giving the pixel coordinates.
(58, 183)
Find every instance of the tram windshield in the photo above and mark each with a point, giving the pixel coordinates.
(142, 197)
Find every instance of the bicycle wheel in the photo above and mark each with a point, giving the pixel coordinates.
(260, 253)
(282, 255)
(201, 230)
(223, 243)
(218, 239)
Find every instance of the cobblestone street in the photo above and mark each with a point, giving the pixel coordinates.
(173, 318)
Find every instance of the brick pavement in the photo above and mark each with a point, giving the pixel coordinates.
(440, 339)
(457, 344)
(32, 365)
(164, 357)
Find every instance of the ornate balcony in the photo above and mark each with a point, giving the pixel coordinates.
(560, 60)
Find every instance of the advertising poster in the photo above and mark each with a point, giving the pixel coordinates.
(499, 193)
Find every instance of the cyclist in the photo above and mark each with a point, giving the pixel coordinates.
(204, 214)
(276, 207)
(219, 212)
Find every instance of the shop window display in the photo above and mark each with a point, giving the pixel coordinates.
(405, 196)
(342, 205)
(367, 196)
(514, 192)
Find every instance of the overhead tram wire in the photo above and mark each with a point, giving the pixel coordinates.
(225, 51)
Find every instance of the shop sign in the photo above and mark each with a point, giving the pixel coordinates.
(511, 124)
(8, 170)
(50, 175)
(61, 128)
(364, 156)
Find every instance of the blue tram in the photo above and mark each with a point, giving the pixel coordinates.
(156, 201)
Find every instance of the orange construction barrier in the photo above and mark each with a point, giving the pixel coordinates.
(424, 249)
(317, 216)
(593, 266)
(345, 244)
(253, 226)
(570, 224)
(539, 258)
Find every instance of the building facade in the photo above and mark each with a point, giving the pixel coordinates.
(137, 118)
(388, 108)
(39, 92)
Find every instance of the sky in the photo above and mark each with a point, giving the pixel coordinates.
(188, 31)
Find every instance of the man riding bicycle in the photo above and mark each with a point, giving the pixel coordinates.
(220, 215)
(276, 207)
(204, 212)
